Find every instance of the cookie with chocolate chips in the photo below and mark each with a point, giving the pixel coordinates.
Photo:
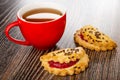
(91, 38)
(65, 62)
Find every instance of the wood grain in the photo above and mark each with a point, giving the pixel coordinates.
(19, 62)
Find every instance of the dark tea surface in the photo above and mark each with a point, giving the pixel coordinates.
(42, 15)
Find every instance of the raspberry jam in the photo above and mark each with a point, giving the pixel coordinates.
(62, 65)
(82, 37)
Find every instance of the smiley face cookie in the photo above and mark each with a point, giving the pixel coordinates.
(91, 38)
(65, 61)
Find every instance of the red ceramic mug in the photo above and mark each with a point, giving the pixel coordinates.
(42, 35)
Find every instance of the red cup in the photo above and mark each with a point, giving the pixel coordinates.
(42, 35)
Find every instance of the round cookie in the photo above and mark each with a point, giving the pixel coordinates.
(65, 61)
(91, 38)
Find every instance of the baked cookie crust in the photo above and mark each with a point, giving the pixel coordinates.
(91, 38)
(65, 56)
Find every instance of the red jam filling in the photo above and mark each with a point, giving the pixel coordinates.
(82, 37)
(62, 65)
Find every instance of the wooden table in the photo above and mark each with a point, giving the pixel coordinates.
(18, 62)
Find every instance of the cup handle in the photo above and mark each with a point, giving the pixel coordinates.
(13, 24)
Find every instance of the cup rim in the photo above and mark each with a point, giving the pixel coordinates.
(43, 3)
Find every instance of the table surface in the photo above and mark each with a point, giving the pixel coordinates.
(18, 62)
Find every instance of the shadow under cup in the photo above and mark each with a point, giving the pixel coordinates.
(42, 35)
